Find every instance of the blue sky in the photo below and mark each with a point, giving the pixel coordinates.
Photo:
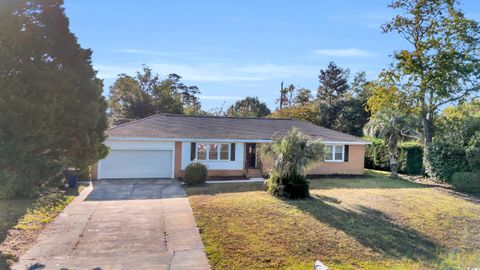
(233, 49)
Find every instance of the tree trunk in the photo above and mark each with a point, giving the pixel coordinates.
(392, 145)
(427, 140)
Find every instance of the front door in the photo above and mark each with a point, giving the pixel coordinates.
(251, 155)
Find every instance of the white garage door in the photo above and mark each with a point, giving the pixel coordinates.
(137, 164)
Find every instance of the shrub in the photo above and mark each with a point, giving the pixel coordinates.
(445, 158)
(195, 174)
(410, 155)
(292, 155)
(473, 152)
(376, 155)
(293, 187)
(410, 158)
(29, 182)
(466, 181)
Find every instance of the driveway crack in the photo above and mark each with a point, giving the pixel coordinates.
(80, 236)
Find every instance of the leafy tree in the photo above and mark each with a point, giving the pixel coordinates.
(459, 123)
(473, 152)
(443, 63)
(340, 106)
(351, 115)
(248, 107)
(303, 96)
(145, 94)
(292, 156)
(391, 126)
(51, 106)
(307, 112)
(333, 84)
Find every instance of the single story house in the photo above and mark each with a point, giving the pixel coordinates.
(162, 145)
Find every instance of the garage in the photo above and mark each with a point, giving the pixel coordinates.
(137, 164)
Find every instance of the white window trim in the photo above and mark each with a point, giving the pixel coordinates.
(218, 152)
(333, 153)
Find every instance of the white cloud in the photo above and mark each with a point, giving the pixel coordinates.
(216, 72)
(143, 52)
(219, 97)
(350, 52)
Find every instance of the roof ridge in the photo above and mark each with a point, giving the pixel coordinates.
(334, 130)
(133, 121)
(220, 116)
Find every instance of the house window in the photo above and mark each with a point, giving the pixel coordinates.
(334, 153)
(224, 151)
(201, 151)
(213, 151)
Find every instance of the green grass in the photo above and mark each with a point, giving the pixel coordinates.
(21, 220)
(359, 223)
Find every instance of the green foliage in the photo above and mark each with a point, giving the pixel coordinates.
(289, 187)
(466, 181)
(338, 105)
(145, 94)
(459, 123)
(307, 112)
(248, 107)
(392, 126)
(304, 96)
(292, 155)
(51, 104)
(410, 156)
(473, 152)
(195, 174)
(341, 106)
(376, 155)
(442, 64)
(333, 84)
(445, 158)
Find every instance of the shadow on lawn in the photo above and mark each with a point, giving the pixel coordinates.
(10, 212)
(371, 228)
(319, 183)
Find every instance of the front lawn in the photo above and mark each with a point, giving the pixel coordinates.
(21, 221)
(358, 223)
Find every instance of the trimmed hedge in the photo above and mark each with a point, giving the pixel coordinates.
(195, 174)
(466, 181)
(411, 158)
(446, 158)
(473, 152)
(410, 155)
(376, 155)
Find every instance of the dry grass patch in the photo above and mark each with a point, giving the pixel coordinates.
(22, 220)
(358, 223)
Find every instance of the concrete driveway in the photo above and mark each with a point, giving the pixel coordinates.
(121, 224)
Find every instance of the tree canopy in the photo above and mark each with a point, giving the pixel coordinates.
(248, 107)
(145, 95)
(333, 84)
(442, 64)
(51, 106)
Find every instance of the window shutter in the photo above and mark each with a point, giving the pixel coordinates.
(232, 151)
(345, 157)
(193, 149)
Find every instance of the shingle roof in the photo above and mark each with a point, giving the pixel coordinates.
(213, 127)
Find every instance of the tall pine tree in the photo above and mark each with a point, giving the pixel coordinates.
(51, 106)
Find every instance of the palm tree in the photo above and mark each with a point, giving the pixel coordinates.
(292, 156)
(392, 126)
